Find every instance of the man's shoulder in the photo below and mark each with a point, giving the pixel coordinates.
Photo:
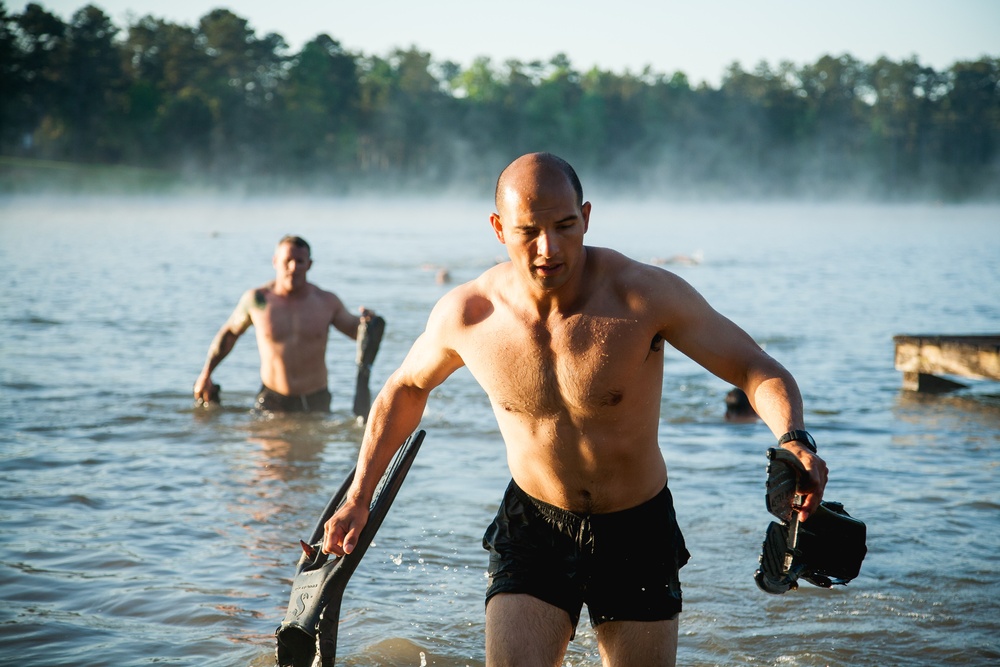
(461, 294)
(486, 283)
(320, 293)
(607, 258)
(258, 296)
(616, 267)
(311, 295)
(469, 303)
(637, 283)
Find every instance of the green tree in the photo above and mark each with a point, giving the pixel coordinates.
(404, 106)
(93, 84)
(321, 104)
(671, 156)
(35, 42)
(168, 111)
(12, 85)
(902, 112)
(763, 124)
(610, 120)
(239, 80)
(743, 149)
(551, 112)
(836, 128)
(970, 128)
(224, 103)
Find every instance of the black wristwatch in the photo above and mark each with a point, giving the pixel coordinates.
(799, 436)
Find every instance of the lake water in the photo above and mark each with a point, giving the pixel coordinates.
(135, 529)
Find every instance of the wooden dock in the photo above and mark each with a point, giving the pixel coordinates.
(924, 358)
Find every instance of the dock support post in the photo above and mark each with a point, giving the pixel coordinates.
(929, 384)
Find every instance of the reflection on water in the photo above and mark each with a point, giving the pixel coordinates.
(292, 448)
(978, 409)
(136, 528)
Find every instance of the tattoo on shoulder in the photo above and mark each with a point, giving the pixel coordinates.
(259, 299)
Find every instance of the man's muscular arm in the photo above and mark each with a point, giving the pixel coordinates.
(342, 319)
(395, 414)
(224, 341)
(715, 342)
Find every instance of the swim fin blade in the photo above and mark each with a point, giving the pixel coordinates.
(369, 339)
(307, 636)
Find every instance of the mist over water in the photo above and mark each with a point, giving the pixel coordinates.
(136, 529)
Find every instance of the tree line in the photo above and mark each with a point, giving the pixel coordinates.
(218, 103)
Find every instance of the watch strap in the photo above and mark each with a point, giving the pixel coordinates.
(799, 436)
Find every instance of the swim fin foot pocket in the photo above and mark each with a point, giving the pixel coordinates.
(826, 550)
(307, 636)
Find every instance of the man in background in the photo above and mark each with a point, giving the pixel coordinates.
(292, 318)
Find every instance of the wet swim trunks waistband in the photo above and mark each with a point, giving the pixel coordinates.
(623, 565)
(269, 400)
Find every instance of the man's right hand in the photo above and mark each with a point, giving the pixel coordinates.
(205, 391)
(342, 530)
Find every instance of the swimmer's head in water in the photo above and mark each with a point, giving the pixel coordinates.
(738, 406)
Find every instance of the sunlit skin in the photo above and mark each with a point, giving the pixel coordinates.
(291, 318)
(567, 342)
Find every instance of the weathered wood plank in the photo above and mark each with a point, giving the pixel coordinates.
(930, 355)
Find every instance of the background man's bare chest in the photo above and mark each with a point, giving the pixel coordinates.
(297, 322)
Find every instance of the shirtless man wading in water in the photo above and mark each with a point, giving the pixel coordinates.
(292, 318)
(567, 341)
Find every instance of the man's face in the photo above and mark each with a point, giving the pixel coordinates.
(290, 265)
(543, 228)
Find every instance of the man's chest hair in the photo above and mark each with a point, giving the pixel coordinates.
(585, 363)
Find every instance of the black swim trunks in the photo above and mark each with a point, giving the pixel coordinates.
(623, 565)
(269, 400)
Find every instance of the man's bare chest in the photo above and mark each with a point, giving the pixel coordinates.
(579, 365)
(293, 323)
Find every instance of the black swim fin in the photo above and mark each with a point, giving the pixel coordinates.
(826, 550)
(307, 637)
(369, 338)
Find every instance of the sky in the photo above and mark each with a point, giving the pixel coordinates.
(699, 38)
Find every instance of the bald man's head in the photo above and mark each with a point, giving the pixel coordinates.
(533, 169)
